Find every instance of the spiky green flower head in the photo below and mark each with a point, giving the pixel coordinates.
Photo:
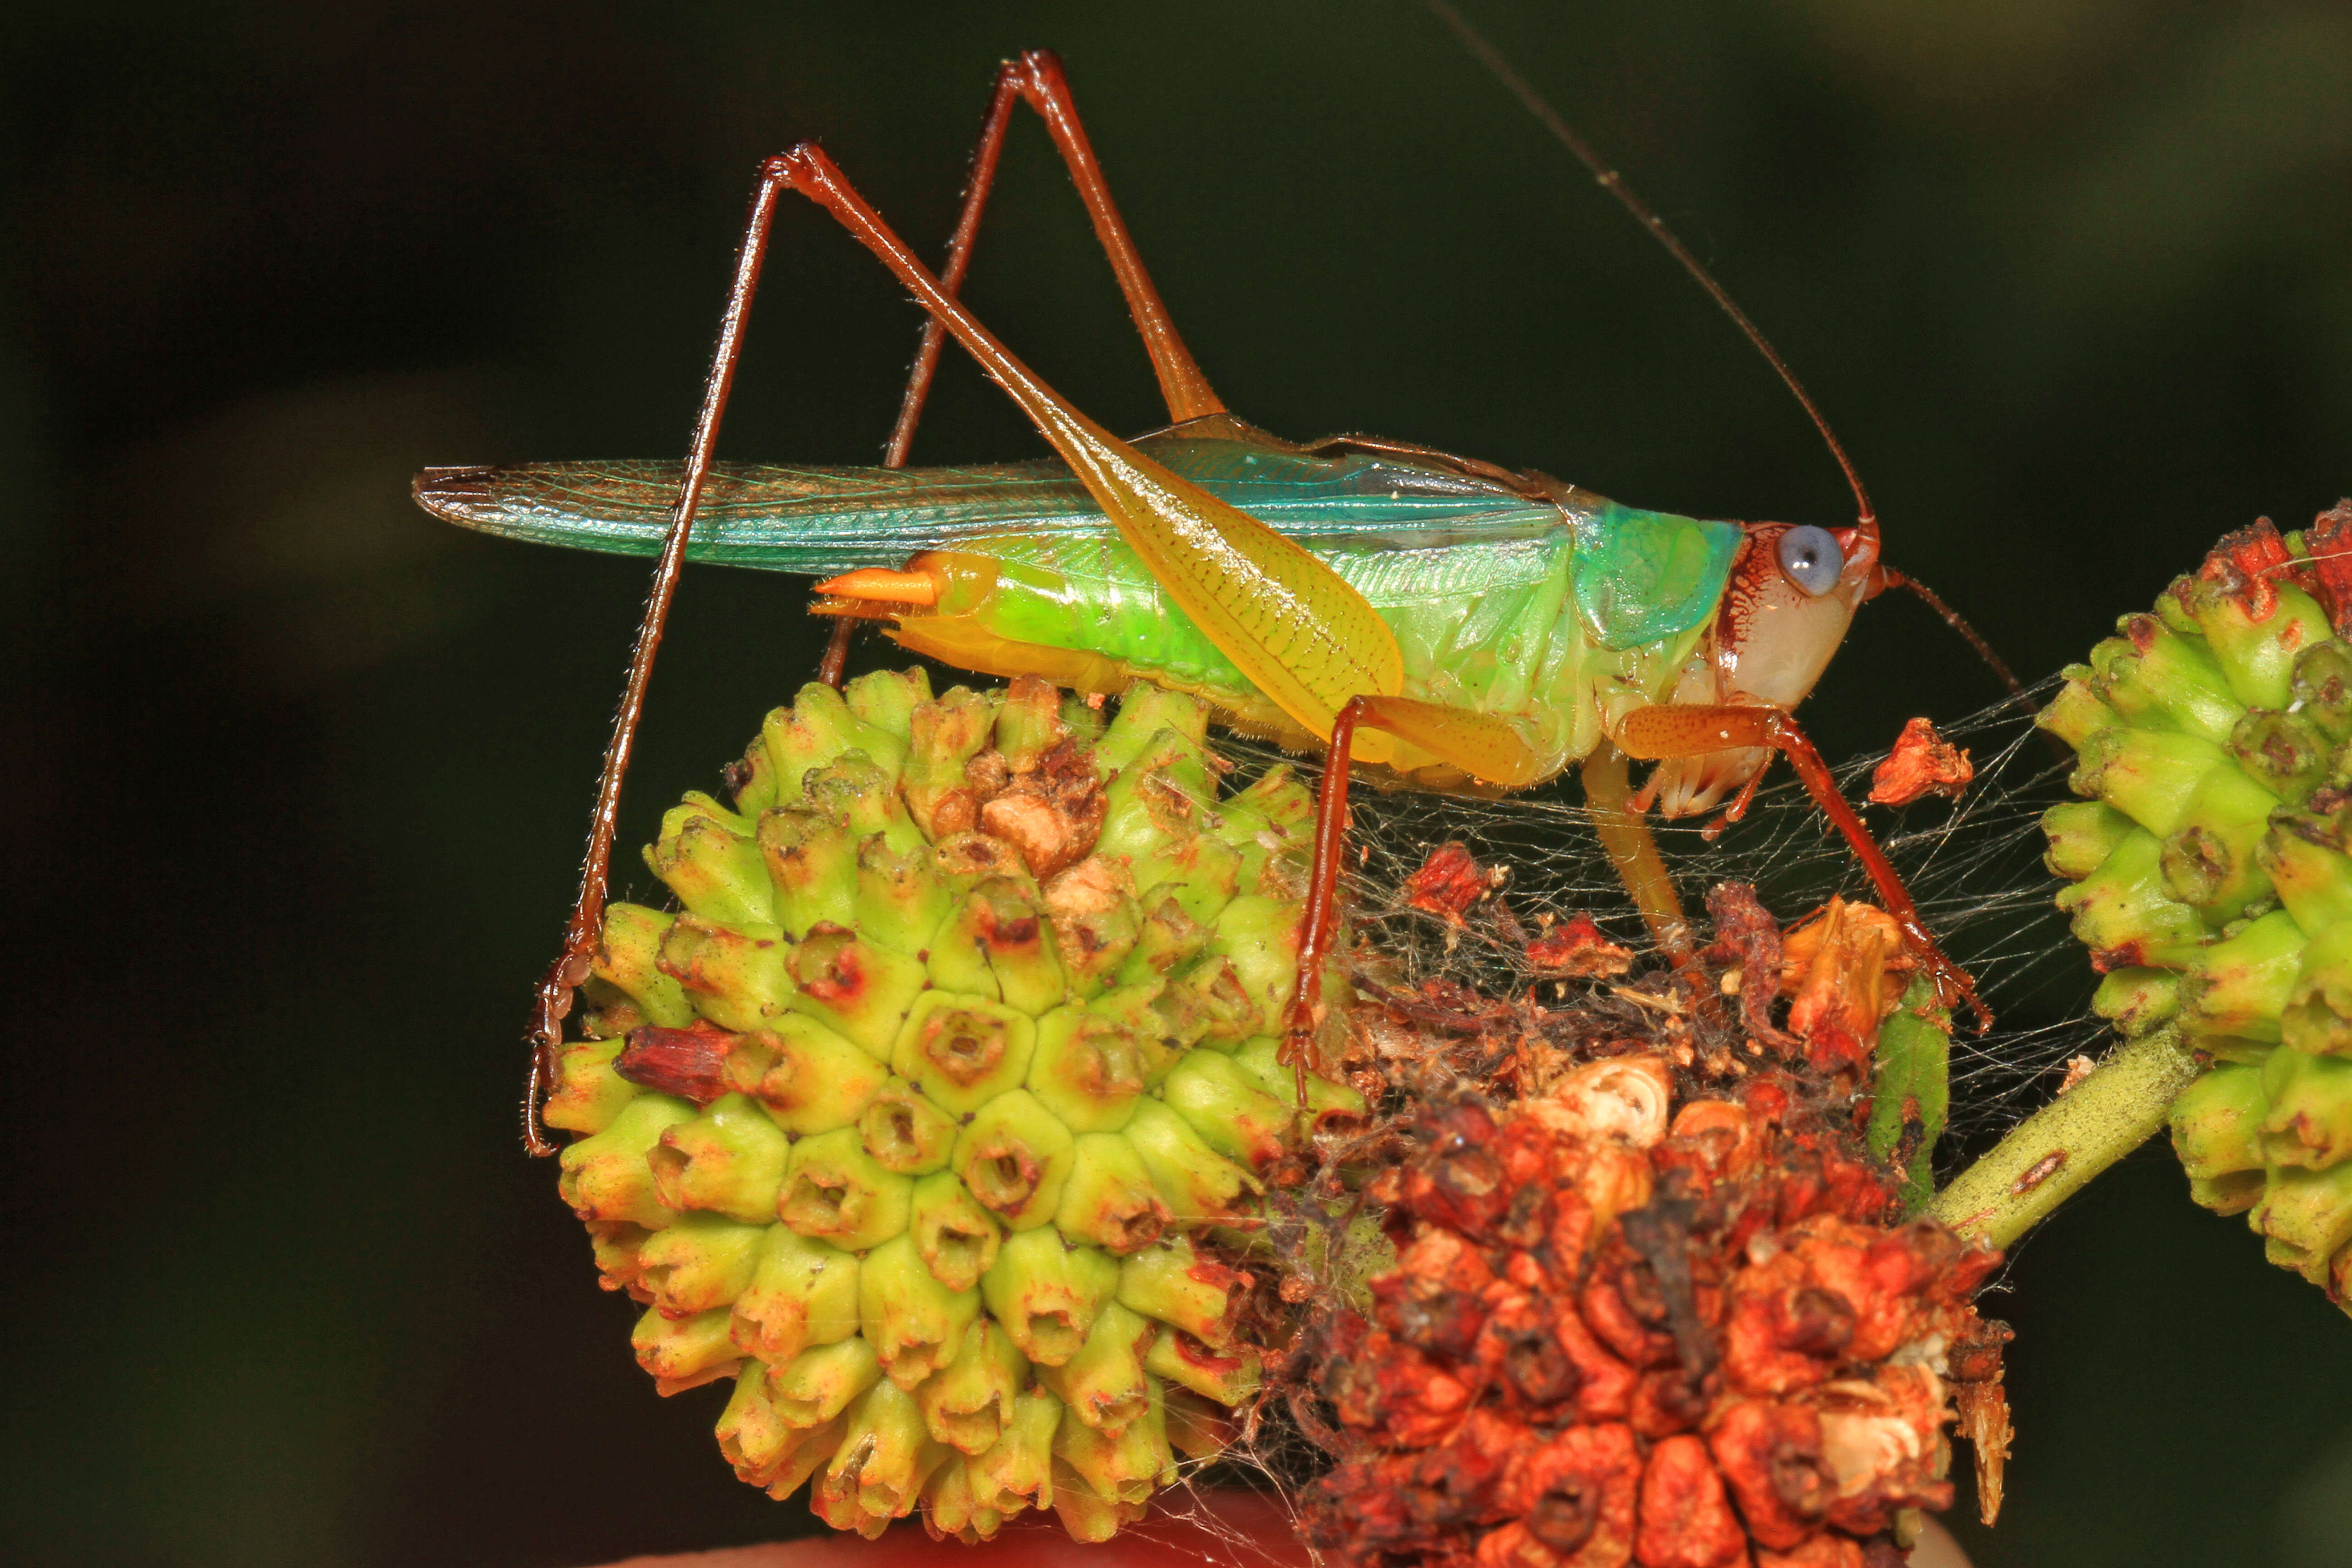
(2212, 880)
(936, 1114)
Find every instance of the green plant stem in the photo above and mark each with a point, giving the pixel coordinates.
(2060, 1147)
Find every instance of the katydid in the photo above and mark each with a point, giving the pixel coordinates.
(1438, 617)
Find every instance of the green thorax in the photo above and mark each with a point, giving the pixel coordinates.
(1564, 618)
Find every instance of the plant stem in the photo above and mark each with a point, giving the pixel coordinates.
(2056, 1150)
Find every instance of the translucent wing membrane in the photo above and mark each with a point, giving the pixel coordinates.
(820, 521)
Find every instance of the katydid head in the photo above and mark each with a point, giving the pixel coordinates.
(1792, 593)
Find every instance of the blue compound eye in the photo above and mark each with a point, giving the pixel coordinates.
(1810, 557)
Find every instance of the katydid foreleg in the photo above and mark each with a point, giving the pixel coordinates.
(1674, 730)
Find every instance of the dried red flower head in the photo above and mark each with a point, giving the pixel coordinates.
(1629, 1327)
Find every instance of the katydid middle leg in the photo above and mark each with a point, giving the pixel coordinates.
(1486, 745)
(1497, 751)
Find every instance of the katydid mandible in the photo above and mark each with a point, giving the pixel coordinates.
(1441, 618)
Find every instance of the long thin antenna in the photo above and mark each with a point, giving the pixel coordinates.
(1954, 619)
(1614, 184)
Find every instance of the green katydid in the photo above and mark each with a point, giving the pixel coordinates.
(1440, 618)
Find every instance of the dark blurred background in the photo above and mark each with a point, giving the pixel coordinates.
(297, 778)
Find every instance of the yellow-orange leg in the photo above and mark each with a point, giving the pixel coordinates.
(1674, 730)
(1633, 849)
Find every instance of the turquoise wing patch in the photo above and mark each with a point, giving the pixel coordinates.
(1644, 576)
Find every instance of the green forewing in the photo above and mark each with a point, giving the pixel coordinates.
(1404, 532)
(820, 521)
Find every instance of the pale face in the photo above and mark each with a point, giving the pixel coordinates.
(1794, 592)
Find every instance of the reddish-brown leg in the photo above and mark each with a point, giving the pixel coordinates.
(553, 1003)
(1673, 730)
(1037, 75)
(1320, 922)
(834, 669)
(985, 156)
(1035, 78)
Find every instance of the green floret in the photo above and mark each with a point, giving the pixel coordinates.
(2211, 879)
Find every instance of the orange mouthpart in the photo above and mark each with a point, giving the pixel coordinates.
(880, 584)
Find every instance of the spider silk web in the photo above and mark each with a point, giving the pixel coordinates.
(1973, 865)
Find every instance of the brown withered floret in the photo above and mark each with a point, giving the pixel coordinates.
(1637, 1334)
(1879, 1443)
(1054, 815)
(1575, 949)
(1982, 1406)
(1683, 1519)
(1749, 940)
(1520, 1354)
(1769, 1452)
(1447, 883)
(1844, 972)
(690, 1063)
(1433, 1298)
(1570, 1500)
(1605, 1386)
(1633, 1323)
(1463, 1183)
(1921, 763)
(2247, 566)
(2329, 546)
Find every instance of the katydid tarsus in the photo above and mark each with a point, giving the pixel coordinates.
(1391, 605)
